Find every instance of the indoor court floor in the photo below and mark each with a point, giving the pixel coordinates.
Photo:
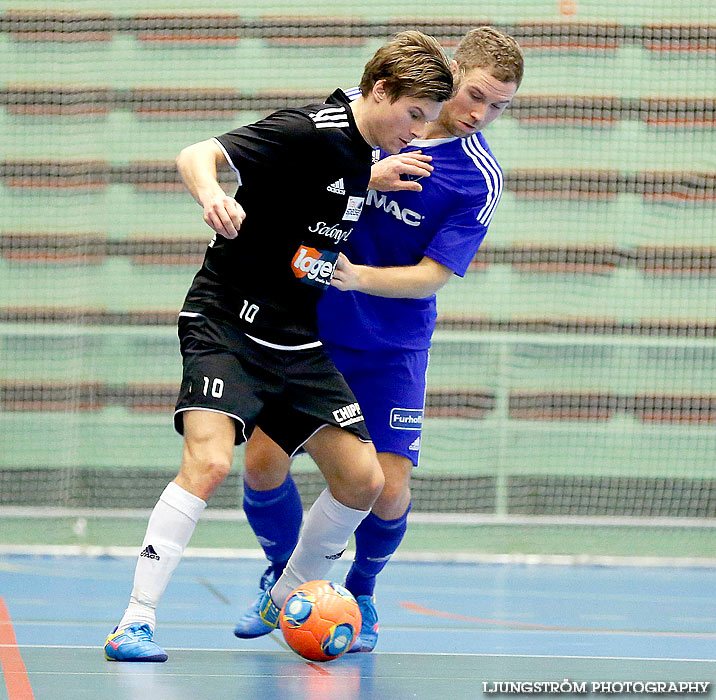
(447, 631)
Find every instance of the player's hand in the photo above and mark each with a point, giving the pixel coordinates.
(385, 174)
(225, 215)
(346, 276)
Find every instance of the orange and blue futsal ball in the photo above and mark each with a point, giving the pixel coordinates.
(320, 620)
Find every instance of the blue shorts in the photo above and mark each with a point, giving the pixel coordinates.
(390, 388)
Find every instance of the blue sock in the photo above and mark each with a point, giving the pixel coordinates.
(376, 539)
(275, 517)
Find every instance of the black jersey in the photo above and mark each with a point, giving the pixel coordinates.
(303, 175)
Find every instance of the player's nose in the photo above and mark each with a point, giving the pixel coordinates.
(478, 112)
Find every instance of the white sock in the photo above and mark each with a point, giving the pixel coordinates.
(170, 528)
(326, 531)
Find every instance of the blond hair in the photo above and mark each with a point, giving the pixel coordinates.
(487, 47)
(412, 64)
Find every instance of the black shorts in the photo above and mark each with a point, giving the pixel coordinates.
(289, 394)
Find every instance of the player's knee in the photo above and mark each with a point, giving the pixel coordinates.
(371, 481)
(263, 475)
(202, 474)
(395, 492)
(266, 465)
(217, 468)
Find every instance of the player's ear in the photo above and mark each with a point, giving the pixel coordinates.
(454, 68)
(378, 90)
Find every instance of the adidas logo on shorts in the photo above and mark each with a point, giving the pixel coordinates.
(149, 553)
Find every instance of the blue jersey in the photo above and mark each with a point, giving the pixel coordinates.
(447, 221)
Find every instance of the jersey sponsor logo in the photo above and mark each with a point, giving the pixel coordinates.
(415, 444)
(347, 415)
(314, 267)
(335, 232)
(354, 208)
(338, 187)
(390, 206)
(406, 418)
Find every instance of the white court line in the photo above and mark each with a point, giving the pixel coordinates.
(396, 653)
(406, 556)
(464, 519)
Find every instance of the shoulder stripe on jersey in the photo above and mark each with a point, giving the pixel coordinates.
(487, 165)
(329, 113)
(331, 125)
(334, 117)
(492, 165)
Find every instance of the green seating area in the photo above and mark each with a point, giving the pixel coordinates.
(617, 106)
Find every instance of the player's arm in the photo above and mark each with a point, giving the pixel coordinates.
(405, 282)
(197, 165)
(385, 175)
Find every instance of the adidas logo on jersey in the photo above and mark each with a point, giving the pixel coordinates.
(337, 187)
(149, 553)
(415, 444)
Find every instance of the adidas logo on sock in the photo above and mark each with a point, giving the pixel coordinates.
(149, 553)
(337, 187)
(333, 557)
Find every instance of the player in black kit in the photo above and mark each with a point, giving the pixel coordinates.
(248, 326)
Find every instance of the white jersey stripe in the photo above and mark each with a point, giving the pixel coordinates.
(335, 117)
(305, 346)
(485, 213)
(331, 125)
(329, 113)
(495, 169)
(492, 164)
(329, 117)
(493, 177)
(488, 178)
(327, 110)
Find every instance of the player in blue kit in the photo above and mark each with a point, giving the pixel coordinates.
(425, 216)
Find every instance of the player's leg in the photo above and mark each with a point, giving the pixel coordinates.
(206, 460)
(355, 480)
(274, 511)
(377, 539)
(271, 500)
(390, 387)
(318, 412)
(217, 405)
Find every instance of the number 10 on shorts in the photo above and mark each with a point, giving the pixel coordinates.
(217, 387)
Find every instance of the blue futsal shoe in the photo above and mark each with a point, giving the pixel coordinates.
(268, 610)
(368, 637)
(250, 625)
(134, 643)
